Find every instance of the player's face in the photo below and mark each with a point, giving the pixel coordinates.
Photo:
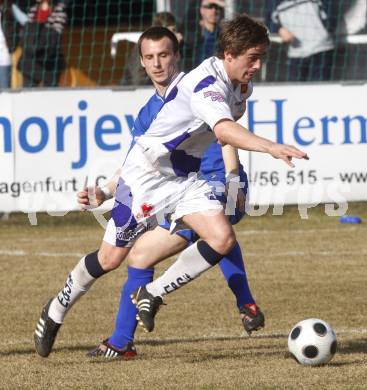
(241, 69)
(159, 60)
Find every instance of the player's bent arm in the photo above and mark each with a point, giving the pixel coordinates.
(229, 132)
(92, 197)
(232, 168)
(109, 189)
(231, 160)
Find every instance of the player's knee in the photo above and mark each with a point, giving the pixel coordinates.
(137, 258)
(224, 243)
(228, 243)
(109, 259)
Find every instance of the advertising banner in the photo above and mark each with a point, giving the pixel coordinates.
(53, 143)
(64, 140)
(329, 123)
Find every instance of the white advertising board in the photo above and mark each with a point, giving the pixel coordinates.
(62, 141)
(54, 142)
(330, 124)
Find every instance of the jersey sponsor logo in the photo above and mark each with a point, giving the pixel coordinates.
(180, 281)
(215, 96)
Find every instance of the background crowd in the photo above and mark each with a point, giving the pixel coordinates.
(311, 38)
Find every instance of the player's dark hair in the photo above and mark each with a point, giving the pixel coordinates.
(157, 33)
(241, 34)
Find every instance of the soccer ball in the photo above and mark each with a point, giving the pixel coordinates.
(312, 342)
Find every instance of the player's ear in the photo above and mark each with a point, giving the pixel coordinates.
(227, 56)
(141, 62)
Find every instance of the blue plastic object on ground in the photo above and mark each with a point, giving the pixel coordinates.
(350, 219)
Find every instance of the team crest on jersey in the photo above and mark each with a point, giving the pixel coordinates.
(146, 208)
(215, 96)
(244, 88)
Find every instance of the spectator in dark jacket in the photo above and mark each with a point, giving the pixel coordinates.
(200, 37)
(42, 60)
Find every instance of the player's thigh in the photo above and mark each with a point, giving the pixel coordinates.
(110, 256)
(213, 227)
(154, 246)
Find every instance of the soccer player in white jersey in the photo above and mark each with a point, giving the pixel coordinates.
(158, 179)
(206, 102)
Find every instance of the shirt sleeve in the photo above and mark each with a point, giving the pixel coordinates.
(209, 102)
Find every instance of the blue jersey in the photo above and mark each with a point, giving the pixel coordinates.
(147, 115)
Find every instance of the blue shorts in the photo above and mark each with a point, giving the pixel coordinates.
(214, 179)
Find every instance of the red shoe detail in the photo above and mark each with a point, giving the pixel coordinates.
(252, 307)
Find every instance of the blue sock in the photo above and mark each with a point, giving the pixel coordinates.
(126, 323)
(233, 269)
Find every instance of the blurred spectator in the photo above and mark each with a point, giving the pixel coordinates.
(350, 59)
(134, 73)
(354, 17)
(8, 42)
(166, 19)
(200, 38)
(302, 24)
(42, 60)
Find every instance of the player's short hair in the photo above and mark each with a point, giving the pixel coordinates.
(157, 33)
(241, 34)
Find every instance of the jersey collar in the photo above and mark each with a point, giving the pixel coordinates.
(173, 83)
(218, 63)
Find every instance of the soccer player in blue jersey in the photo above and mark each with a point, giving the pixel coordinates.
(159, 178)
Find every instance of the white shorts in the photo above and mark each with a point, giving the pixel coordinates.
(146, 197)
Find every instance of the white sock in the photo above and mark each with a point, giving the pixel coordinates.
(191, 263)
(78, 283)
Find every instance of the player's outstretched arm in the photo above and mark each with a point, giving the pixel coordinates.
(232, 133)
(94, 196)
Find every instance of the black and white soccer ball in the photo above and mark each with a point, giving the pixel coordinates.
(312, 342)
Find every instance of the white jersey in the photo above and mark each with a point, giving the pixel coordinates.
(155, 181)
(194, 104)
